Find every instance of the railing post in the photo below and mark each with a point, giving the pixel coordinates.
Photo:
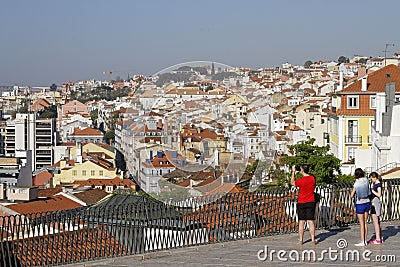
(389, 201)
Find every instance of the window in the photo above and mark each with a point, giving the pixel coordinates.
(352, 102)
(74, 173)
(92, 173)
(372, 102)
(101, 173)
(351, 153)
(83, 172)
(352, 128)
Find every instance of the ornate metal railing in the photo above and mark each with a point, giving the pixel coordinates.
(353, 139)
(105, 231)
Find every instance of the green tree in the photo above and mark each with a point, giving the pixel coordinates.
(362, 61)
(24, 107)
(94, 115)
(308, 63)
(53, 87)
(208, 88)
(323, 165)
(49, 112)
(109, 136)
(343, 59)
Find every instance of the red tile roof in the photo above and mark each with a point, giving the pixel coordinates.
(91, 196)
(117, 181)
(54, 203)
(377, 80)
(49, 192)
(86, 132)
(84, 244)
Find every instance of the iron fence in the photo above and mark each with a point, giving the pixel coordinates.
(104, 231)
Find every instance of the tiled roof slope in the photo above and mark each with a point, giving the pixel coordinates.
(87, 132)
(54, 203)
(91, 196)
(377, 80)
(85, 244)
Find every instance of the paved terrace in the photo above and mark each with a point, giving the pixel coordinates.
(244, 252)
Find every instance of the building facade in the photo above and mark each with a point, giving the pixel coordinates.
(28, 132)
(352, 116)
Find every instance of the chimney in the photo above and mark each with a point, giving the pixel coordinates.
(364, 84)
(340, 81)
(78, 152)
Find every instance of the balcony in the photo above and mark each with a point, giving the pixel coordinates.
(43, 126)
(43, 133)
(353, 139)
(43, 153)
(43, 140)
(43, 147)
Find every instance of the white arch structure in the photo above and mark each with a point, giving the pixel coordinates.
(198, 63)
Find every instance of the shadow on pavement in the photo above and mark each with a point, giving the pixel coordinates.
(332, 232)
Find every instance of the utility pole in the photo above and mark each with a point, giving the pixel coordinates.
(386, 46)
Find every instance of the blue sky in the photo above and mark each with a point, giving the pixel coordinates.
(46, 41)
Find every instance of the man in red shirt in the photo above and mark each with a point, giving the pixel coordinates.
(306, 201)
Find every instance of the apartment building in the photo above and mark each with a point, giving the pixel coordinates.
(28, 132)
(352, 116)
(155, 167)
(386, 133)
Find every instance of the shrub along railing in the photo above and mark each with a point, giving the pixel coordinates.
(107, 230)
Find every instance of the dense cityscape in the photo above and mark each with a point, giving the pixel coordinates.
(195, 130)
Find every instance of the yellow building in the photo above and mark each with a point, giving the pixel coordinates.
(352, 117)
(86, 161)
(71, 171)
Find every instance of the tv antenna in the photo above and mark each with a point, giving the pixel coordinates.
(386, 50)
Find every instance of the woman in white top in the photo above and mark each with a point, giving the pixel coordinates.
(361, 191)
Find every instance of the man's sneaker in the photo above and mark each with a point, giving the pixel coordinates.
(361, 244)
(375, 241)
(382, 240)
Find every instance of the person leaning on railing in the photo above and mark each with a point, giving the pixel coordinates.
(361, 191)
(306, 201)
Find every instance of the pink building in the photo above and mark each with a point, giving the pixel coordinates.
(72, 107)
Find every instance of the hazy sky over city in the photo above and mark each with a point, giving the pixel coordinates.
(46, 41)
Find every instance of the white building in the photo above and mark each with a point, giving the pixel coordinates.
(386, 134)
(28, 132)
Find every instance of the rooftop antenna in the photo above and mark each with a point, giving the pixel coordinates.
(386, 46)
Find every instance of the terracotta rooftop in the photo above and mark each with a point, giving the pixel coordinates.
(49, 192)
(376, 81)
(54, 203)
(91, 196)
(86, 132)
(87, 243)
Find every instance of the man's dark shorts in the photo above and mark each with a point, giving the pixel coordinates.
(306, 211)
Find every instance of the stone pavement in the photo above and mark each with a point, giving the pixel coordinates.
(336, 247)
